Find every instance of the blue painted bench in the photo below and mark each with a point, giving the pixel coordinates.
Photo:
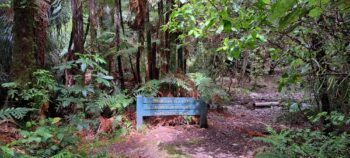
(166, 106)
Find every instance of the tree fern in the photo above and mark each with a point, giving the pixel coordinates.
(17, 113)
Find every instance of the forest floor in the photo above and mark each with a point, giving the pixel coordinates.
(231, 133)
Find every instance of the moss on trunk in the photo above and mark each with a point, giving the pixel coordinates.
(24, 47)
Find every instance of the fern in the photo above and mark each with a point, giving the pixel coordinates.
(17, 113)
(63, 154)
(207, 87)
(173, 80)
(114, 102)
(149, 89)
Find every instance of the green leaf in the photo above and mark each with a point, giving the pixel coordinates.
(56, 120)
(266, 1)
(227, 26)
(315, 13)
(291, 17)
(280, 8)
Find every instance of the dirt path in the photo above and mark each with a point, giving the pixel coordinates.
(230, 134)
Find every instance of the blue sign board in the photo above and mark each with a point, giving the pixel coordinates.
(166, 106)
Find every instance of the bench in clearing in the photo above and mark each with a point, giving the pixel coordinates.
(167, 106)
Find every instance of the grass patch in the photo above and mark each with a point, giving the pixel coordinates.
(174, 151)
(194, 141)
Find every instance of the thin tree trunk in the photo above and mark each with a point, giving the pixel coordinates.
(117, 22)
(138, 56)
(167, 36)
(180, 57)
(133, 69)
(93, 25)
(87, 30)
(148, 42)
(153, 61)
(163, 59)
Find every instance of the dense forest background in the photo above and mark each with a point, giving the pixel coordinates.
(70, 69)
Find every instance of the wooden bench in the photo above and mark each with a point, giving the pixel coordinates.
(166, 106)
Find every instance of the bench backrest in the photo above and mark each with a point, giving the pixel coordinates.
(167, 106)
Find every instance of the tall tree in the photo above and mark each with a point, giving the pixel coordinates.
(78, 28)
(76, 44)
(24, 46)
(118, 41)
(93, 25)
(167, 36)
(40, 31)
(138, 7)
(162, 51)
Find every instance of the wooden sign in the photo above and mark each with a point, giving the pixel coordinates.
(166, 106)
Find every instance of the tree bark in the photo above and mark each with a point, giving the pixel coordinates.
(138, 55)
(149, 43)
(78, 28)
(24, 46)
(117, 22)
(77, 38)
(180, 57)
(167, 37)
(41, 26)
(93, 25)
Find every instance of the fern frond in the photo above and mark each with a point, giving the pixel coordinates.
(173, 80)
(114, 102)
(207, 87)
(149, 89)
(63, 154)
(17, 113)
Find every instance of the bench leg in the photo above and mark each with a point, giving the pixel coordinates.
(139, 122)
(203, 117)
(139, 117)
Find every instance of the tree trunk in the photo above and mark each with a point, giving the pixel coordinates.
(133, 69)
(93, 25)
(148, 41)
(41, 26)
(117, 22)
(138, 56)
(152, 62)
(77, 38)
(167, 36)
(78, 28)
(24, 46)
(163, 59)
(180, 57)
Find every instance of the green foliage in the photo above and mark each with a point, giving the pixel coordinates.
(63, 154)
(88, 81)
(207, 88)
(17, 113)
(35, 93)
(171, 79)
(305, 143)
(117, 102)
(46, 138)
(6, 152)
(338, 121)
(149, 89)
